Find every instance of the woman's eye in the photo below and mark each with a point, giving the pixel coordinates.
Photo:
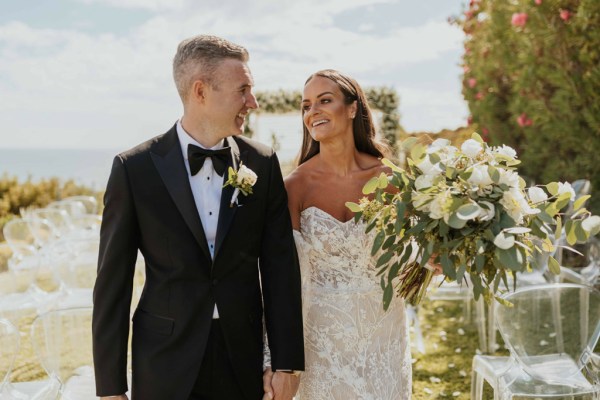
(305, 108)
(325, 101)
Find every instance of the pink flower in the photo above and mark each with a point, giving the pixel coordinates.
(523, 120)
(519, 19)
(485, 131)
(469, 120)
(469, 14)
(466, 69)
(538, 2)
(479, 96)
(565, 15)
(472, 82)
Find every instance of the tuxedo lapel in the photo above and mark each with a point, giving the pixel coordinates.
(226, 213)
(170, 164)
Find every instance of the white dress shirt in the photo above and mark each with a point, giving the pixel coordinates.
(206, 188)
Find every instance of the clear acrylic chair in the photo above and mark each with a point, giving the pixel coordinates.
(89, 202)
(62, 341)
(18, 233)
(73, 208)
(551, 332)
(9, 348)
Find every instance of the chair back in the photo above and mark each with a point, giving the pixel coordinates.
(9, 348)
(62, 341)
(552, 330)
(89, 202)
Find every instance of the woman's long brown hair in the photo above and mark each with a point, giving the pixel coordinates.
(362, 126)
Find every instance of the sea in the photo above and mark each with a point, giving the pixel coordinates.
(91, 167)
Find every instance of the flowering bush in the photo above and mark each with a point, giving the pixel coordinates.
(535, 64)
(469, 208)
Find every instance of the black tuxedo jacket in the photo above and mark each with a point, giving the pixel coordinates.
(149, 206)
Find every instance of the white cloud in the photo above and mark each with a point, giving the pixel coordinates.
(112, 90)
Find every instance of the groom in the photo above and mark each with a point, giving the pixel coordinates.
(214, 263)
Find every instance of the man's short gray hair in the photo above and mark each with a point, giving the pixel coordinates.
(198, 57)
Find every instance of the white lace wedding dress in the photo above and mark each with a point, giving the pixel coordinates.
(354, 350)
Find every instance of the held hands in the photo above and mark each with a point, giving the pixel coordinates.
(436, 268)
(279, 385)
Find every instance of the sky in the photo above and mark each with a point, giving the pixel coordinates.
(97, 73)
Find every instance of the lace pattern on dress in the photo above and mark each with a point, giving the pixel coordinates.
(354, 350)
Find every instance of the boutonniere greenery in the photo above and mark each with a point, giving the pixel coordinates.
(242, 180)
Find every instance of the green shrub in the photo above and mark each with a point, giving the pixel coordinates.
(532, 81)
(15, 195)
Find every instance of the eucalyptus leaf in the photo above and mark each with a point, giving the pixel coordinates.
(371, 186)
(377, 242)
(580, 233)
(562, 201)
(383, 181)
(353, 207)
(388, 293)
(408, 143)
(468, 211)
(393, 273)
(517, 230)
(580, 202)
(455, 222)
(447, 266)
(476, 136)
(479, 262)
(510, 258)
(400, 211)
(494, 174)
(553, 265)
(417, 152)
(388, 242)
(558, 229)
(460, 274)
(552, 188)
(391, 165)
(570, 231)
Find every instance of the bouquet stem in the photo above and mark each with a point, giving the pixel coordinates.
(414, 281)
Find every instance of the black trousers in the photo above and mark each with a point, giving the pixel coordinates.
(216, 379)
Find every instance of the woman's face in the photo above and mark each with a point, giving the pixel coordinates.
(324, 112)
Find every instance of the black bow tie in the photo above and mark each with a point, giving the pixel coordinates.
(197, 155)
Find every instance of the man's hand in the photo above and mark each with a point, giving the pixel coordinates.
(268, 389)
(121, 397)
(285, 385)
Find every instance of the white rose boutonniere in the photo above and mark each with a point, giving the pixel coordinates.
(242, 180)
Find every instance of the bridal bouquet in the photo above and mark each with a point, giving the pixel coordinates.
(470, 210)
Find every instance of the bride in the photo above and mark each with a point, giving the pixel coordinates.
(353, 349)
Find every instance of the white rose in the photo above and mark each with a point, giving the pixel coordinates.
(537, 195)
(487, 211)
(471, 148)
(421, 201)
(591, 223)
(512, 202)
(503, 241)
(509, 178)
(480, 176)
(428, 168)
(506, 151)
(246, 175)
(438, 144)
(438, 208)
(566, 188)
(423, 181)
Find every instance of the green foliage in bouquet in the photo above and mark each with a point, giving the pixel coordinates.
(384, 99)
(468, 209)
(532, 81)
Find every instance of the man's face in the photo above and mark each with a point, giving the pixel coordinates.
(231, 98)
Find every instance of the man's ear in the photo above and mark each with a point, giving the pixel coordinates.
(198, 91)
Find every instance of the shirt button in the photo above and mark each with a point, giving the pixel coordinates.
(208, 178)
(210, 213)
